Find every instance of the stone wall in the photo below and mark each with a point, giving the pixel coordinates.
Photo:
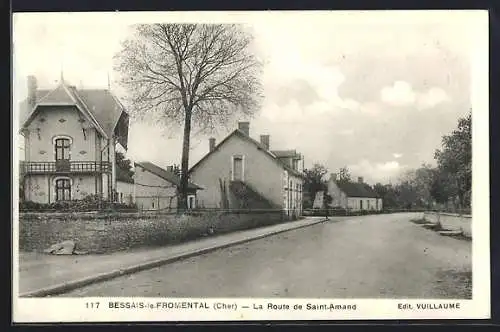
(102, 233)
(451, 221)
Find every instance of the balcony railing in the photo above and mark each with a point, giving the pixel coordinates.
(66, 166)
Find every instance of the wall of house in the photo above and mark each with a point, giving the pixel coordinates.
(42, 188)
(153, 192)
(104, 147)
(81, 187)
(125, 192)
(36, 188)
(339, 198)
(292, 193)
(354, 203)
(260, 171)
(50, 122)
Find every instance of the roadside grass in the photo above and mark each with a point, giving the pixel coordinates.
(462, 236)
(437, 227)
(454, 284)
(419, 221)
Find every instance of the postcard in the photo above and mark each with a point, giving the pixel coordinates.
(246, 166)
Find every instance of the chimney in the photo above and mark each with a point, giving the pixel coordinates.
(32, 87)
(264, 140)
(333, 176)
(244, 127)
(211, 143)
(360, 179)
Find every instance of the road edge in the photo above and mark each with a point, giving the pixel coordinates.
(79, 283)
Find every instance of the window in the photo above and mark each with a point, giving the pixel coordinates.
(63, 190)
(191, 202)
(238, 168)
(62, 146)
(121, 197)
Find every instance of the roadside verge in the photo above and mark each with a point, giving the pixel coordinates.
(169, 255)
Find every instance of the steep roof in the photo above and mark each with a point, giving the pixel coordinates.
(102, 105)
(259, 145)
(164, 174)
(354, 189)
(286, 153)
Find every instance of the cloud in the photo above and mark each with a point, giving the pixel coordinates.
(375, 172)
(434, 96)
(397, 155)
(401, 93)
(298, 86)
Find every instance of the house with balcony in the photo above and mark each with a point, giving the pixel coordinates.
(243, 173)
(70, 137)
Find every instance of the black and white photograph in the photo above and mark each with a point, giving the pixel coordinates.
(177, 166)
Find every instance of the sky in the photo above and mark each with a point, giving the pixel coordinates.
(371, 91)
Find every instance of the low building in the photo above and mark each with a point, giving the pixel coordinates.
(125, 189)
(353, 196)
(156, 188)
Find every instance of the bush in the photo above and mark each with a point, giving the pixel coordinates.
(88, 203)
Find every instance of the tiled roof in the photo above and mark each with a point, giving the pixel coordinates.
(104, 107)
(164, 174)
(285, 153)
(58, 95)
(259, 145)
(353, 189)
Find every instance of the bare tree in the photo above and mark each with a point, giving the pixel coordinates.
(190, 74)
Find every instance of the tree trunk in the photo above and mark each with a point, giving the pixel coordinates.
(185, 160)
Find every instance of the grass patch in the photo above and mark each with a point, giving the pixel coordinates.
(454, 284)
(439, 227)
(462, 236)
(435, 227)
(419, 221)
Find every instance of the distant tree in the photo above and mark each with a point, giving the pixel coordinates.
(344, 175)
(406, 195)
(423, 179)
(390, 200)
(455, 161)
(327, 199)
(442, 187)
(124, 166)
(380, 189)
(314, 182)
(190, 74)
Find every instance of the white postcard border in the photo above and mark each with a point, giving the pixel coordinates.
(159, 309)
